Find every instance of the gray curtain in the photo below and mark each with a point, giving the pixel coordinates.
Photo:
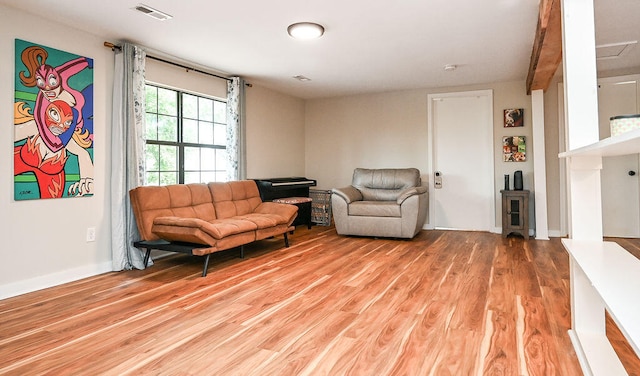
(236, 146)
(127, 153)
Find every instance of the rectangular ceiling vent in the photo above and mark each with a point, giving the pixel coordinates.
(614, 50)
(154, 13)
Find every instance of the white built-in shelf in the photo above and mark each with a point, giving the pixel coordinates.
(622, 144)
(615, 275)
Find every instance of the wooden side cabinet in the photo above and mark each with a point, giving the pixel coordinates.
(515, 213)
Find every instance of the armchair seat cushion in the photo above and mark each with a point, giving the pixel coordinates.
(375, 209)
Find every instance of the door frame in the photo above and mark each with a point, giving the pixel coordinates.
(432, 150)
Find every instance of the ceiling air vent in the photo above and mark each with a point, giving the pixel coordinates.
(154, 13)
(614, 50)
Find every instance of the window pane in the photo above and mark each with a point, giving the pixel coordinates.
(189, 131)
(189, 106)
(221, 176)
(151, 126)
(167, 178)
(221, 160)
(192, 177)
(152, 158)
(167, 102)
(205, 109)
(220, 134)
(208, 159)
(152, 178)
(208, 176)
(168, 158)
(220, 112)
(167, 128)
(206, 132)
(151, 98)
(191, 159)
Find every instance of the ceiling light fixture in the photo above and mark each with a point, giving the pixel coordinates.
(450, 67)
(154, 13)
(305, 30)
(302, 78)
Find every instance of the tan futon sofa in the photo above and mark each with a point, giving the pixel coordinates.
(381, 202)
(200, 219)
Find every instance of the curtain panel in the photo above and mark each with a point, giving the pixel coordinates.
(236, 129)
(127, 153)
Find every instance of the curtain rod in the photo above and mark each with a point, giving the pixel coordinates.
(116, 47)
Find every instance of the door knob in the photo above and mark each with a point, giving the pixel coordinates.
(632, 173)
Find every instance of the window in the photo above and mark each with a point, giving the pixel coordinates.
(186, 137)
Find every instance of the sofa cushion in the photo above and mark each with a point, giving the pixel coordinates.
(375, 209)
(217, 228)
(235, 198)
(384, 184)
(185, 200)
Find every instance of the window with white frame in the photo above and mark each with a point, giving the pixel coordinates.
(185, 137)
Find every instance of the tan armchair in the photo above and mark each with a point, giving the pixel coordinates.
(381, 202)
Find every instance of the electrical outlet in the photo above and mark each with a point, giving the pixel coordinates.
(91, 234)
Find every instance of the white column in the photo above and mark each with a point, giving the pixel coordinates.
(581, 114)
(539, 165)
(580, 76)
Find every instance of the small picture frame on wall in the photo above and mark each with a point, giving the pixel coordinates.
(514, 149)
(513, 117)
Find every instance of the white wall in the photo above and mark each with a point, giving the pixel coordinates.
(275, 134)
(44, 241)
(390, 130)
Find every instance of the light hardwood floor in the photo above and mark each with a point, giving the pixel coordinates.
(444, 303)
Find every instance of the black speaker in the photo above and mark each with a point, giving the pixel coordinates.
(517, 180)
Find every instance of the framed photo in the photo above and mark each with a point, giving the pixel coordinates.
(514, 149)
(513, 117)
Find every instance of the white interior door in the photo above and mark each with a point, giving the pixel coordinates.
(461, 135)
(619, 175)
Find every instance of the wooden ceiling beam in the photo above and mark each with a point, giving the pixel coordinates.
(546, 55)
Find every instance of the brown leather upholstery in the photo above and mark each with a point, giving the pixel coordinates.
(220, 215)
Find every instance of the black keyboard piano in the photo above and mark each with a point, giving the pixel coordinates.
(275, 188)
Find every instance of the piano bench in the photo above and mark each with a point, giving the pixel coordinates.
(304, 209)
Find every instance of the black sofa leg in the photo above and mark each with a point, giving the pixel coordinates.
(286, 240)
(206, 265)
(146, 257)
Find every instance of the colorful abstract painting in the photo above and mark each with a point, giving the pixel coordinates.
(53, 123)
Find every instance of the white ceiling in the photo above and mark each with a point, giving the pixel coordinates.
(368, 46)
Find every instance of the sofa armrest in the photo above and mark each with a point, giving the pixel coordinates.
(411, 192)
(349, 194)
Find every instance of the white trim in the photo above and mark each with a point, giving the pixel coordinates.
(539, 163)
(42, 282)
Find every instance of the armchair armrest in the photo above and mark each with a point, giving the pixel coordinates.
(411, 192)
(349, 194)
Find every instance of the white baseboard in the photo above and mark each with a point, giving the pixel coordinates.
(42, 282)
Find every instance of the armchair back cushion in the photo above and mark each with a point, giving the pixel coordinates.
(384, 184)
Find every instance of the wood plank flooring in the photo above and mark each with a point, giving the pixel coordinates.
(444, 303)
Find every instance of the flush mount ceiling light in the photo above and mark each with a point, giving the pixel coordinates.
(305, 30)
(154, 13)
(450, 67)
(302, 78)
